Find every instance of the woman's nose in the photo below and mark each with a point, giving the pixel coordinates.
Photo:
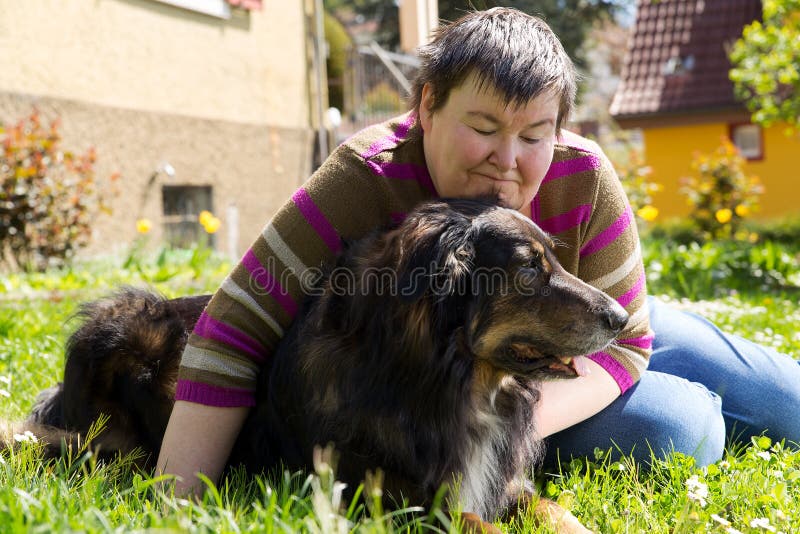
(504, 155)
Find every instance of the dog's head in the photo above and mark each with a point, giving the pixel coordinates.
(489, 275)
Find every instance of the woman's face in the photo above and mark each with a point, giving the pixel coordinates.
(477, 145)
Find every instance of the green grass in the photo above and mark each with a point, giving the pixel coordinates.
(750, 290)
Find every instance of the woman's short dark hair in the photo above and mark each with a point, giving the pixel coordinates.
(507, 50)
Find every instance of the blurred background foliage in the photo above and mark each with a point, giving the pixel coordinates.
(50, 196)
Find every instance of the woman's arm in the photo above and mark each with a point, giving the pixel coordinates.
(246, 317)
(567, 402)
(198, 438)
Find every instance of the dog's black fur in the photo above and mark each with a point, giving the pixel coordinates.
(432, 380)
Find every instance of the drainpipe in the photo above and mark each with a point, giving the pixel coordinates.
(322, 79)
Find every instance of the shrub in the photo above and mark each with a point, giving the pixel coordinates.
(382, 98)
(635, 177)
(49, 197)
(721, 195)
(714, 269)
(338, 44)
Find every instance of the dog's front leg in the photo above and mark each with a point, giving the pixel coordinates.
(472, 524)
(551, 513)
(545, 511)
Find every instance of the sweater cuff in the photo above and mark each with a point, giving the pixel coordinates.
(209, 395)
(614, 368)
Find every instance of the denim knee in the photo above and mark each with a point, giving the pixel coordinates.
(698, 431)
(760, 388)
(661, 413)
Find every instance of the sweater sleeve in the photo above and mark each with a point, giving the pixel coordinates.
(610, 259)
(247, 316)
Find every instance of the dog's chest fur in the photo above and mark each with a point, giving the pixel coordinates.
(502, 447)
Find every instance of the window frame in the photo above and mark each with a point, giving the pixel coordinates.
(172, 222)
(220, 9)
(732, 127)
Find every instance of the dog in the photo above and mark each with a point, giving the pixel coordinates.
(429, 372)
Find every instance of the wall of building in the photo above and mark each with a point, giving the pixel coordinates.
(255, 167)
(670, 151)
(145, 55)
(225, 102)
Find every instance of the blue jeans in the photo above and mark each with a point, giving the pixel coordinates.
(702, 387)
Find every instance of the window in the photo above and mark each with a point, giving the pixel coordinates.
(215, 8)
(748, 139)
(182, 207)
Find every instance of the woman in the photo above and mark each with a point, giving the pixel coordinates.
(492, 94)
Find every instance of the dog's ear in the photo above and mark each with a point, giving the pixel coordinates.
(436, 258)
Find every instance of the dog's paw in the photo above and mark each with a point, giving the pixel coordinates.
(559, 518)
(472, 524)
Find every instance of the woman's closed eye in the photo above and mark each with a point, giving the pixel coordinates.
(483, 132)
(525, 139)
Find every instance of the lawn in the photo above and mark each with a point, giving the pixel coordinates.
(748, 289)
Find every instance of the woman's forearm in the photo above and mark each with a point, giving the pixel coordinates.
(198, 438)
(568, 402)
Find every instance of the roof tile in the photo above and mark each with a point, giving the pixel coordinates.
(676, 60)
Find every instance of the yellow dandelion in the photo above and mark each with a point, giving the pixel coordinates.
(753, 237)
(204, 217)
(724, 215)
(648, 213)
(212, 225)
(143, 226)
(742, 210)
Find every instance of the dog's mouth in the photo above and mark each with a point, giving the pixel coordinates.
(531, 360)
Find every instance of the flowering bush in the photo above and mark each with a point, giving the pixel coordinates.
(635, 177)
(49, 197)
(721, 195)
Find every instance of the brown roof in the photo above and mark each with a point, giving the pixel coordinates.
(677, 60)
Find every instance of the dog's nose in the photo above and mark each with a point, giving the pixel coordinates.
(616, 317)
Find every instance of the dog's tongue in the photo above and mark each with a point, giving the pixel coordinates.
(580, 365)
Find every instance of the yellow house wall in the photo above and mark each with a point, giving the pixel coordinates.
(133, 54)
(669, 151)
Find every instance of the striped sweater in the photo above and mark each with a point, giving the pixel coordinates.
(374, 178)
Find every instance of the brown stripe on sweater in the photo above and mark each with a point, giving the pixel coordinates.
(198, 375)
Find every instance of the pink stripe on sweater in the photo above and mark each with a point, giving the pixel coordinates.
(403, 171)
(643, 342)
(570, 219)
(560, 169)
(209, 328)
(574, 140)
(631, 294)
(209, 395)
(267, 284)
(317, 220)
(609, 235)
(615, 369)
(392, 139)
(536, 210)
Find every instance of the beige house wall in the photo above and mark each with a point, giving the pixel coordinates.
(225, 102)
(146, 55)
(253, 167)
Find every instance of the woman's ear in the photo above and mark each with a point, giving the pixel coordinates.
(425, 105)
